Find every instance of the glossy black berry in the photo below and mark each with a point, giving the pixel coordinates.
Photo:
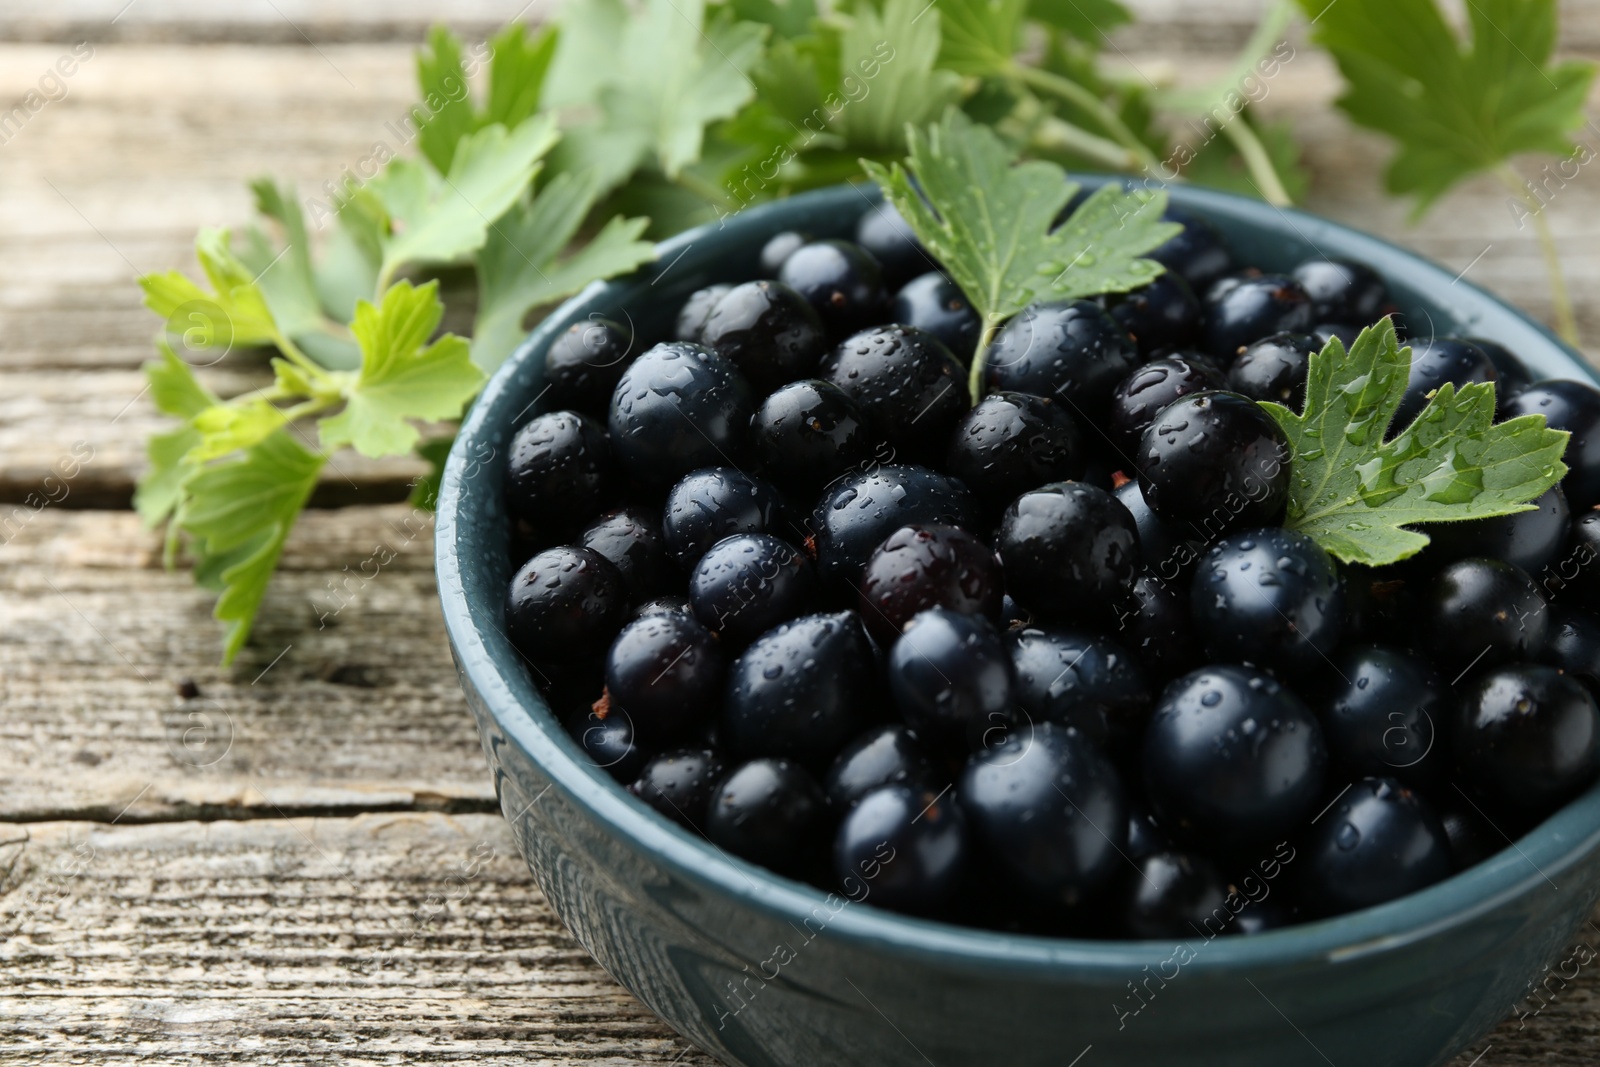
(1342, 290)
(770, 812)
(1528, 539)
(1073, 352)
(1160, 316)
(560, 471)
(630, 539)
(889, 239)
(1216, 461)
(841, 281)
(1527, 739)
(696, 310)
(884, 755)
(810, 432)
(679, 407)
(1433, 363)
(1173, 894)
(679, 784)
(950, 676)
(1274, 368)
(582, 366)
(1573, 644)
(934, 304)
(1269, 598)
(1168, 550)
(1254, 308)
(1047, 808)
(910, 387)
(922, 567)
(1197, 254)
(801, 691)
(902, 848)
(1574, 407)
(1232, 760)
(746, 584)
(1139, 398)
(778, 249)
(858, 511)
(664, 673)
(1069, 549)
(1511, 376)
(1012, 442)
(608, 742)
(1379, 841)
(1384, 712)
(1480, 613)
(1155, 624)
(716, 502)
(565, 603)
(769, 331)
(1077, 679)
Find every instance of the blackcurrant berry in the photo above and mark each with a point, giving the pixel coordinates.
(564, 604)
(1342, 290)
(1069, 549)
(772, 813)
(1527, 539)
(1243, 314)
(1139, 398)
(1173, 894)
(679, 784)
(608, 742)
(950, 675)
(716, 502)
(1384, 713)
(560, 471)
(858, 511)
(1197, 254)
(1073, 352)
(780, 247)
(769, 331)
(1233, 761)
(910, 387)
(1012, 442)
(1076, 679)
(1160, 316)
(810, 432)
(1269, 598)
(1378, 842)
(582, 366)
(1216, 461)
(934, 304)
(679, 407)
(902, 848)
(841, 281)
(630, 539)
(1275, 368)
(696, 310)
(746, 584)
(1481, 613)
(884, 233)
(922, 567)
(884, 755)
(1527, 739)
(664, 672)
(1047, 808)
(800, 691)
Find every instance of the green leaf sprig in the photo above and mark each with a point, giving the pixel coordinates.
(1356, 490)
(992, 223)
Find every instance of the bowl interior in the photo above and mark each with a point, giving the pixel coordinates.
(473, 568)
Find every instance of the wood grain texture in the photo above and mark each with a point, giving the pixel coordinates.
(302, 864)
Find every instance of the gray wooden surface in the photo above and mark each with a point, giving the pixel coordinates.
(303, 864)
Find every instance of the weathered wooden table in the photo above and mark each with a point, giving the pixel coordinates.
(303, 863)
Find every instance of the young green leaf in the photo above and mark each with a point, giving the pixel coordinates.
(235, 312)
(399, 379)
(1087, 20)
(980, 36)
(658, 77)
(522, 267)
(1355, 492)
(176, 392)
(517, 69)
(240, 513)
(992, 223)
(442, 219)
(1453, 109)
(891, 62)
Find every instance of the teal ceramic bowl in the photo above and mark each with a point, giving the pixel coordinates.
(764, 972)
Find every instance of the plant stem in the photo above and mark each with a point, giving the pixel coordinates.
(1257, 161)
(991, 324)
(1077, 95)
(1061, 135)
(1566, 317)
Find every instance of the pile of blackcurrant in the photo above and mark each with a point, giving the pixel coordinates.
(1046, 662)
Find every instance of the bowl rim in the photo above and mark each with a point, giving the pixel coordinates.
(1540, 856)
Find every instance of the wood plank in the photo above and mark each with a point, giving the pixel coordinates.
(375, 939)
(362, 713)
(364, 940)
